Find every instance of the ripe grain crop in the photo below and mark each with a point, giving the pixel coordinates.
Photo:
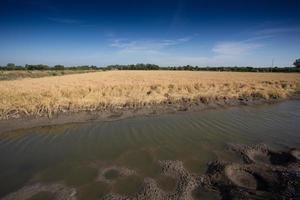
(20, 74)
(125, 89)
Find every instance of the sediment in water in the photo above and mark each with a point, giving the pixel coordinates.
(227, 180)
(112, 173)
(58, 191)
(258, 177)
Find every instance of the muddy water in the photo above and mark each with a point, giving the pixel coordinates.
(77, 154)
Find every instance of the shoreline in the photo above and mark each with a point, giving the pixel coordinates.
(183, 106)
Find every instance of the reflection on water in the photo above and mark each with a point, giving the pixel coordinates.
(75, 153)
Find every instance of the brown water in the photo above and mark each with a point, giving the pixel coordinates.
(76, 153)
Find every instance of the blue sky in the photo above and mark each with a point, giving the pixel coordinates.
(164, 32)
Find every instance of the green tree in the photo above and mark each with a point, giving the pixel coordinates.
(297, 63)
(11, 66)
(59, 67)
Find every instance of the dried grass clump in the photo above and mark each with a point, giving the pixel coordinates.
(118, 89)
(20, 74)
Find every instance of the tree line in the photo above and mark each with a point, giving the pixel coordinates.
(141, 66)
(12, 66)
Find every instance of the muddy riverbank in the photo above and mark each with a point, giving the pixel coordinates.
(110, 114)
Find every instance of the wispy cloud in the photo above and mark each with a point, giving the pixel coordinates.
(277, 30)
(157, 51)
(234, 48)
(224, 53)
(65, 20)
(146, 45)
(258, 38)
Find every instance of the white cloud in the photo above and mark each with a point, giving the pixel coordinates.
(146, 45)
(156, 51)
(225, 53)
(234, 48)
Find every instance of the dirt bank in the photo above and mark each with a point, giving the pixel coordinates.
(111, 114)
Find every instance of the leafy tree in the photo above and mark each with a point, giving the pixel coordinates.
(37, 67)
(297, 63)
(59, 67)
(11, 66)
(141, 66)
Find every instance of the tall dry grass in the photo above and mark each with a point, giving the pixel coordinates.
(20, 74)
(117, 89)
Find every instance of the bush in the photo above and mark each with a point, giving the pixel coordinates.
(59, 67)
(297, 63)
(37, 67)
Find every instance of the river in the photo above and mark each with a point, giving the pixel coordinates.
(75, 154)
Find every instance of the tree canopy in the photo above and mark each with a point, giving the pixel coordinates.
(141, 66)
(297, 63)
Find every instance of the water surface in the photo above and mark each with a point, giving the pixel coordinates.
(76, 153)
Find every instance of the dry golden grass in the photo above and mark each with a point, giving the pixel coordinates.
(117, 89)
(20, 74)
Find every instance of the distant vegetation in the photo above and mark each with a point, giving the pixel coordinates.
(11, 66)
(12, 72)
(20, 74)
(297, 63)
(197, 68)
(134, 67)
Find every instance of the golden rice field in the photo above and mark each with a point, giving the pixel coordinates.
(118, 89)
(20, 74)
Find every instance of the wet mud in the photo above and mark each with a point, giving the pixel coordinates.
(263, 174)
